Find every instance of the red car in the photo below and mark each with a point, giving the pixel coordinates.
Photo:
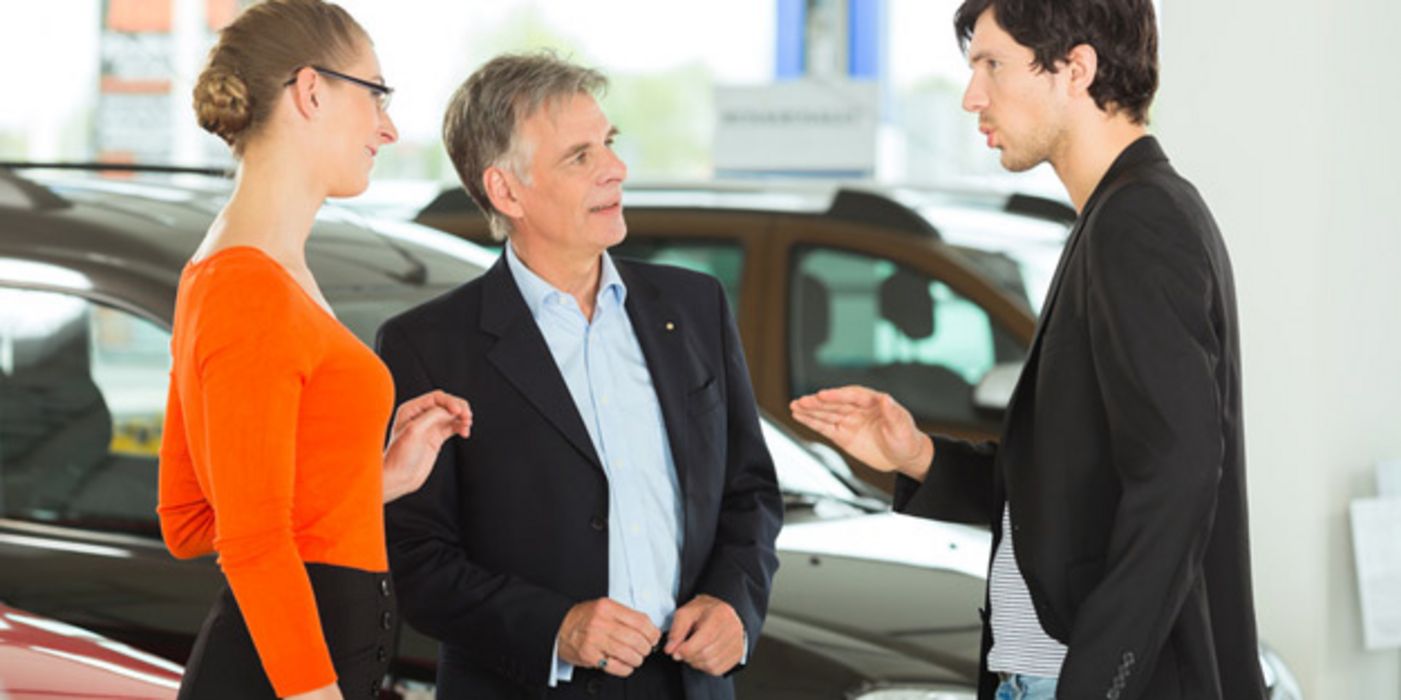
(43, 658)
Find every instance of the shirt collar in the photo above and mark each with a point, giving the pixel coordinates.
(537, 291)
(610, 282)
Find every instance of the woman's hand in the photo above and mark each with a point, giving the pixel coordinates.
(330, 692)
(421, 426)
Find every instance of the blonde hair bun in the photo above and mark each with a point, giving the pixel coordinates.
(267, 43)
(222, 103)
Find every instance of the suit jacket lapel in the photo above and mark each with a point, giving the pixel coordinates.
(1034, 350)
(523, 358)
(663, 341)
(1054, 291)
(1143, 151)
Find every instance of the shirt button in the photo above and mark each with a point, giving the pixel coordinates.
(594, 685)
(384, 587)
(598, 523)
(381, 655)
(386, 620)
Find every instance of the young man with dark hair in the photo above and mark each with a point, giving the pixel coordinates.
(1116, 495)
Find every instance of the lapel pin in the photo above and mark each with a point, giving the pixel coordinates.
(670, 326)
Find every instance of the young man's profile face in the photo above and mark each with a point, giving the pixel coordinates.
(1020, 109)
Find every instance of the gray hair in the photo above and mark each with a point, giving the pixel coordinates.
(485, 113)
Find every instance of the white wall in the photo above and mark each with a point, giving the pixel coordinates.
(1286, 115)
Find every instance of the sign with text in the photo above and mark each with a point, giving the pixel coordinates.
(802, 126)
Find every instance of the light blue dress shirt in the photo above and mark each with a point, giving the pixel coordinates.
(608, 378)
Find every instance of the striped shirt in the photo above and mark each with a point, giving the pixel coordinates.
(1019, 643)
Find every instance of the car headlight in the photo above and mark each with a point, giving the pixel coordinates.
(915, 692)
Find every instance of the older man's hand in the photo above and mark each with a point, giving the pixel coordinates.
(606, 635)
(707, 635)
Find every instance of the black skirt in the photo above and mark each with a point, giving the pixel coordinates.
(358, 618)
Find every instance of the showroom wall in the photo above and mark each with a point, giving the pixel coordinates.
(1285, 114)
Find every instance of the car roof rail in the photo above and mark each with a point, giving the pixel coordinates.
(864, 207)
(118, 167)
(1041, 208)
(451, 200)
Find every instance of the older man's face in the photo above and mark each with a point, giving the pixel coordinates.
(573, 199)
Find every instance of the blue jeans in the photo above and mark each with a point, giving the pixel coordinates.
(1019, 687)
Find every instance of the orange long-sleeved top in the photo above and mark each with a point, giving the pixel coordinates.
(272, 450)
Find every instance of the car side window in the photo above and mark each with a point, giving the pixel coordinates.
(856, 319)
(721, 259)
(82, 401)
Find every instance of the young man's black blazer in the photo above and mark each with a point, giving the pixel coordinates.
(1122, 455)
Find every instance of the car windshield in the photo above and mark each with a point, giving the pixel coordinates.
(433, 263)
(802, 472)
(1033, 246)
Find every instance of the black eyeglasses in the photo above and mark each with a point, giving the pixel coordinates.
(383, 93)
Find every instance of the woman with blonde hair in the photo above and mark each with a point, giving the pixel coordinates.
(274, 453)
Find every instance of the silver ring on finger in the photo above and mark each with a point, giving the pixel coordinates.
(603, 663)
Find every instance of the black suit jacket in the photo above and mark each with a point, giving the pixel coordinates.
(510, 530)
(1122, 454)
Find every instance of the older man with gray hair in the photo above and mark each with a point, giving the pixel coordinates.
(609, 529)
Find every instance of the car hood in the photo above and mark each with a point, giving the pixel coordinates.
(890, 597)
(893, 539)
(41, 658)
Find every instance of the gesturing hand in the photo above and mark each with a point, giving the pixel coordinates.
(869, 426)
(708, 635)
(421, 426)
(607, 635)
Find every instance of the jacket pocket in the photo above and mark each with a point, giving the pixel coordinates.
(705, 397)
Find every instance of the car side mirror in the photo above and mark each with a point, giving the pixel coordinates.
(994, 390)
